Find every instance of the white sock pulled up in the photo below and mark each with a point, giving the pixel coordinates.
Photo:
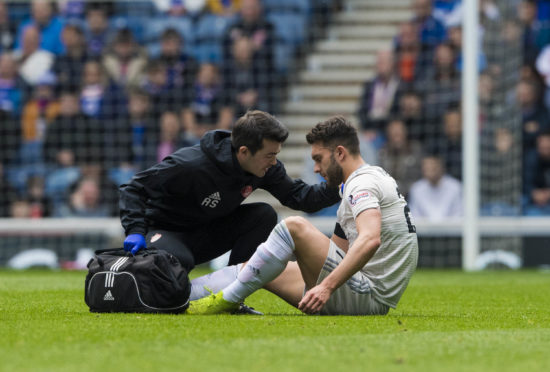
(269, 260)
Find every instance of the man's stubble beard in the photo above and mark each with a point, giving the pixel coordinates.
(335, 173)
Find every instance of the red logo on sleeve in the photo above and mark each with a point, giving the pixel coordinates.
(354, 199)
(246, 191)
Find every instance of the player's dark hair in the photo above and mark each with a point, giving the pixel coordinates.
(333, 132)
(253, 127)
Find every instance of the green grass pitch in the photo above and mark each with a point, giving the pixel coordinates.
(446, 321)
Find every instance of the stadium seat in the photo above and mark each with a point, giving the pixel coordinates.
(208, 52)
(499, 209)
(209, 35)
(121, 175)
(153, 49)
(58, 182)
(302, 7)
(283, 56)
(141, 8)
(18, 11)
(19, 175)
(156, 26)
(211, 27)
(290, 28)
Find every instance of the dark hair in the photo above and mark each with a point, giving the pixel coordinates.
(253, 127)
(534, 85)
(138, 92)
(124, 36)
(69, 91)
(170, 33)
(335, 131)
(74, 27)
(155, 65)
(393, 118)
(99, 6)
(95, 60)
(436, 157)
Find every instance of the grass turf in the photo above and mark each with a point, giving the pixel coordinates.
(446, 321)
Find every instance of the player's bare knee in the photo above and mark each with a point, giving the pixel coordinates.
(297, 226)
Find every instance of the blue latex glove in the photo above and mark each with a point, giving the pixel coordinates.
(134, 242)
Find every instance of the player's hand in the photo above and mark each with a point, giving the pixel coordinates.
(134, 242)
(314, 299)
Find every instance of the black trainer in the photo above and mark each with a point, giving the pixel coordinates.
(247, 310)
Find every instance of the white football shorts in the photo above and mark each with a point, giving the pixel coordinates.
(355, 296)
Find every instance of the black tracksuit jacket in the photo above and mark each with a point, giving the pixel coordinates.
(196, 185)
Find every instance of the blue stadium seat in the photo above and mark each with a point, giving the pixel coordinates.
(59, 181)
(153, 49)
(18, 11)
(208, 52)
(290, 28)
(156, 26)
(209, 34)
(139, 8)
(211, 27)
(499, 209)
(120, 175)
(302, 7)
(283, 56)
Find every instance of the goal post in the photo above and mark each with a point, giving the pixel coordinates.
(470, 139)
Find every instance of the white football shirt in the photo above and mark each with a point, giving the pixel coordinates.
(393, 264)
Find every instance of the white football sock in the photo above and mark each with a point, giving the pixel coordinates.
(269, 260)
(215, 281)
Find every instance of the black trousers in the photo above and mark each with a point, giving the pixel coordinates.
(240, 232)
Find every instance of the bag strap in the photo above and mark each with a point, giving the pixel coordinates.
(110, 250)
(124, 253)
(121, 252)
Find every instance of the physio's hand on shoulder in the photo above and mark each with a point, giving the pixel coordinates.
(134, 242)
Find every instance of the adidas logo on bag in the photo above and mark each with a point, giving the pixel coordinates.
(108, 296)
(212, 200)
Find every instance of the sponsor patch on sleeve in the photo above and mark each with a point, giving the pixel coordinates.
(361, 196)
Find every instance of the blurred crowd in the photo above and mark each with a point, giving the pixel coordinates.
(92, 92)
(410, 112)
